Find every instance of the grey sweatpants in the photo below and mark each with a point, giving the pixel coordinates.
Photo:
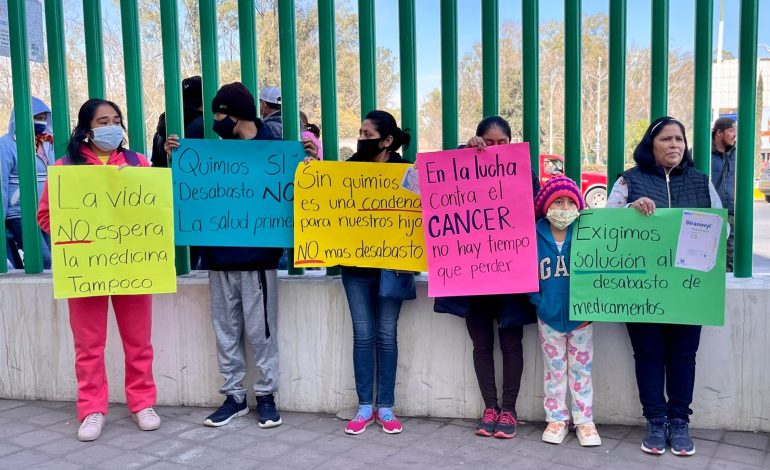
(244, 309)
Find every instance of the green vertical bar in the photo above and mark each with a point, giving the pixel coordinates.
(247, 30)
(616, 122)
(25, 136)
(328, 59)
(489, 57)
(408, 60)
(367, 43)
(92, 24)
(209, 62)
(169, 22)
(289, 103)
(449, 132)
(132, 62)
(530, 79)
(747, 100)
(328, 54)
(572, 84)
(57, 74)
(701, 147)
(659, 72)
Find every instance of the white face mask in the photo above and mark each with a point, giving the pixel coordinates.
(560, 218)
(107, 138)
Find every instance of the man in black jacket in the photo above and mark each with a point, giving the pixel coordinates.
(192, 101)
(723, 137)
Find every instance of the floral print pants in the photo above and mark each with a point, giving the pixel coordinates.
(567, 358)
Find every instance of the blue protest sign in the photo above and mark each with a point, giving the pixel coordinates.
(234, 192)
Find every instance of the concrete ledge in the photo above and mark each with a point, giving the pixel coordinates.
(435, 370)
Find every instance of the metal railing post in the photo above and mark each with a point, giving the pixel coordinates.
(489, 57)
(57, 74)
(616, 122)
(701, 141)
(659, 53)
(367, 44)
(169, 19)
(449, 92)
(747, 100)
(92, 26)
(25, 136)
(408, 61)
(132, 62)
(209, 62)
(247, 30)
(530, 42)
(287, 43)
(572, 89)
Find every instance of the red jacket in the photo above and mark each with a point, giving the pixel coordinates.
(116, 158)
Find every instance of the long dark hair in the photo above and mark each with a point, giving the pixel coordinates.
(307, 126)
(493, 121)
(643, 153)
(83, 127)
(386, 125)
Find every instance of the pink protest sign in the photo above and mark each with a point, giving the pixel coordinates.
(479, 221)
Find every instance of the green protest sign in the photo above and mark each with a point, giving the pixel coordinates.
(665, 268)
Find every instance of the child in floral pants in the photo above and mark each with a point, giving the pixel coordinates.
(567, 345)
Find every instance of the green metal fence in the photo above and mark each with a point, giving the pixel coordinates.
(368, 75)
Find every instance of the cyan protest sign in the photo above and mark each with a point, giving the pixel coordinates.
(623, 268)
(234, 192)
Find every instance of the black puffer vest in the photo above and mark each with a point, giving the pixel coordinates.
(687, 186)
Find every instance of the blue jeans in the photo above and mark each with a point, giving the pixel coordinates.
(13, 227)
(664, 356)
(375, 326)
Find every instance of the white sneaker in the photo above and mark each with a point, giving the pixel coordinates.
(91, 427)
(147, 419)
(587, 435)
(555, 432)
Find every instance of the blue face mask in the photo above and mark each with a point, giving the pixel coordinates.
(41, 127)
(107, 138)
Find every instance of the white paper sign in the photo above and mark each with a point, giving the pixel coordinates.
(34, 31)
(698, 241)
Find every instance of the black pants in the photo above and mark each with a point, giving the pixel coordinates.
(481, 328)
(665, 359)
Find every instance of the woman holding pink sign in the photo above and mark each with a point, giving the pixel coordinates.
(509, 312)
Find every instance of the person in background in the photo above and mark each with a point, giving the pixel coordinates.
(9, 171)
(374, 317)
(723, 137)
(664, 354)
(98, 140)
(243, 283)
(312, 132)
(192, 102)
(567, 346)
(506, 313)
(270, 110)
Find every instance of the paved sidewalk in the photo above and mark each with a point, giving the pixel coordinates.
(42, 435)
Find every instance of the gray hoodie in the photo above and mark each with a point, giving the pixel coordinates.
(9, 162)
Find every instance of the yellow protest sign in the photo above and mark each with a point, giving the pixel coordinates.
(112, 230)
(356, 214)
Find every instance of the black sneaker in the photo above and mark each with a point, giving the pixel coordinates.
(506, 425)
(267, 413)
(230, 409)
(655, 440)
(679, 437)
(486, 427)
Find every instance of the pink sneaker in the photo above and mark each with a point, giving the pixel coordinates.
(390, 424)
(358, 425)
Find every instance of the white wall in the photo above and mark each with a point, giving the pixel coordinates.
(435, 370)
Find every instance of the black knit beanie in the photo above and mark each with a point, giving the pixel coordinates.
(235, 100)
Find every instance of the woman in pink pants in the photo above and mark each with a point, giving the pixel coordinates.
(98, 140)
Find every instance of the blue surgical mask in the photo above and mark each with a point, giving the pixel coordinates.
(107, 138)
(41, 126)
